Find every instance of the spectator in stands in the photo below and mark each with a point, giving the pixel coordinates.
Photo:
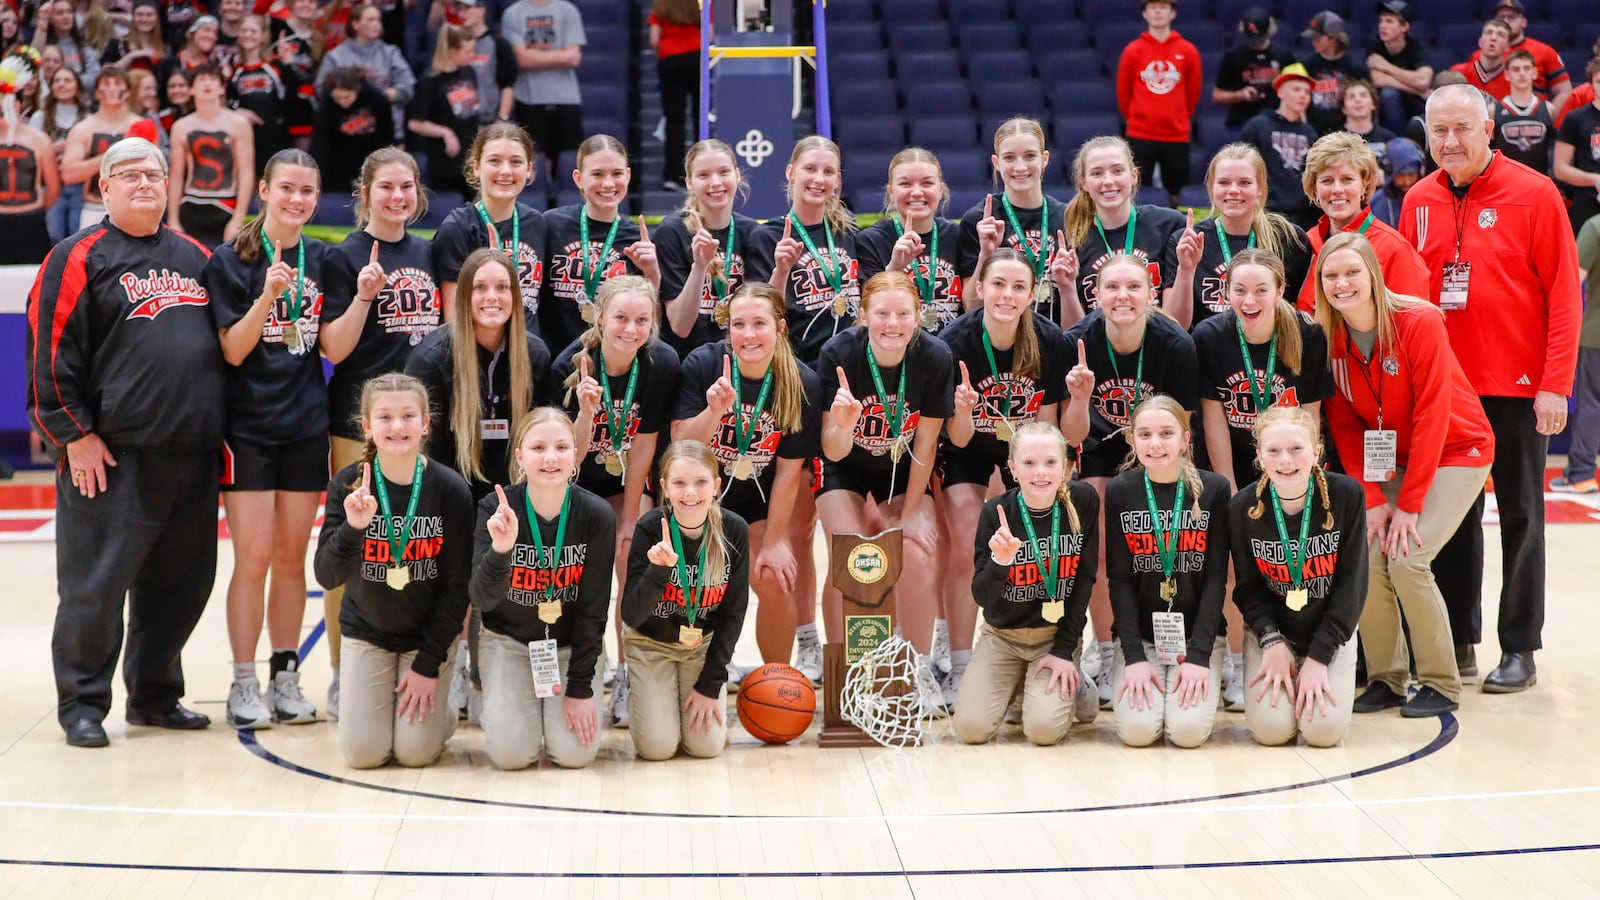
(297, 51)
(1158, 91)
(89, 139)
(145, 101)
(1359, 101)
(1578, 477)
(1416, 130)
(1245, 75)
(1486, 70)
(10, 28)
(180, 99)
(1402, 163)
(1523, 129)
(1283, 137)
(180, 16)
(143, 46)
(59, 110)
(28, 96)
(447, 109)
(675, 33)
(213, 165)
(1553, 80)
(196, 52)
(492, 61)
(547, 37)
(230, 16)
(49, 63)
(260, 90)
(353, 119)
(385, 66)
(58, 27)
(32, 187)
(1330, 65)
(1577, 155)
(1581, 95)
(1399, 70)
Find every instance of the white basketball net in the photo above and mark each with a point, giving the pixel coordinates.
(883, 693)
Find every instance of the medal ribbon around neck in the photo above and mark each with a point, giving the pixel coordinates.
(515, 248)
(538, 538)
(1166, 538)
(1222, 242)
(593, 270)
(1294, 552)
(925, 276)
(691, 599)
(1138, 374)
(1262, 393)
(617, 422)
(1048, 564)
(1041, 259)
(399, 537)
(1127, 240)
(298, 302)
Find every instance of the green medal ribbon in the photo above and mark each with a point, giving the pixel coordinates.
(1040, 260)
(1138, 374)
(1227, 252)
(1127, 241)
(400, 538)
(831, 269)
(925, 276)
(1166, 538)
(744, 430)
(1262, 393)
(1294, 552)
(719, 285)
(1365, 224)
(298, 302)
(617, 421)
(1048, 564)
(894, 413)
(691, 601)
(593, 270)
(538, 539)
(494, 235)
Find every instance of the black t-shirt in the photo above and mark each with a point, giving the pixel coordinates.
(1377, 141)
(700, 370)
(1581, 129)
(1133, 565)
(650, 413)
(262, 89)
(1009, 395)
(1334, 573)
(1223, 379)
(1210, 291)
(1283, 146)
(450, 99)
(1246, 66)
(1030, 220)
(508, 587)
(1330, 75)
(875, 245)
(274, 397)
(1013, 596)
(565, 292)
(930, 391)
(1526, 137)
(809, 295)
(463, 232)
(672, 240)
(404, 312)
(343, 137)
(1153, 229)
(1169, 368)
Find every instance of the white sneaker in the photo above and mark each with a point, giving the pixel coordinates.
(1102, 685)
(619, 697)
(950, 686)
(474, 705)
(1232, 686)
(1089, 663)
(1086, 703)
(808, 659)
(460, 677)
(930, 696)
(608, 674)
(332, 707)
(289, 706)
(246, 709)
(939, 654)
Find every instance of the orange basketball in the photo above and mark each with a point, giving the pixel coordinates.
(776, 703)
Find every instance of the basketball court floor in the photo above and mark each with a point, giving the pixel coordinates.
(1500, 800)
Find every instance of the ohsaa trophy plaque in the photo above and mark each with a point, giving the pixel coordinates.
(865, 570)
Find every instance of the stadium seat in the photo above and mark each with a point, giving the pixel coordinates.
(1110, 38)
(870, 134)
(1460, 39)
(944, 133)
(1205, 36)
(1079, 97)
(1012, 66)
(857, 68)
(1070, 65)
(868, 166)
(1011, 98)
(1035, 13)
(865, 37)
(1149, 195)
(988, 37)
(937, 98)
(918, 38)
(896, 12)
(964, 167)
(873, 98)
(605, 101)
(1194, 195)
(920, 68)
(1070, 132)
(978, 10)
(1055, 37)
(1101, 12)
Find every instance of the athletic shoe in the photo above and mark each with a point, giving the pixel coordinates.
(246, 709)
(930, 697)
(331, 709)
(1428, 702)
(808, 659)
(1089, 663)
(1014, 708)
(1086, 703)
(289, 706)
(950, 685)
(1232, 686)
(1564, 485)
(619, 697)
(1377, 696)
(474, 705)
(460, 677)
(1102, 685)
(607, 673)
(939, 654)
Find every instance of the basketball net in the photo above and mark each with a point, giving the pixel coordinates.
(883, 691)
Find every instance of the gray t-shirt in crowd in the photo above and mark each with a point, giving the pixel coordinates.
(546, 25)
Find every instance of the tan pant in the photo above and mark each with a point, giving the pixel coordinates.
(1002, 658)
(660, 677)
(1274, 725)
(370, 732)
(516, 722)
(1410, 579)
(1186, 728)
(344, 452)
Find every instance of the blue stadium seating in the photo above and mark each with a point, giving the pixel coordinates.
(1460, 38)
(988, 37)
(1071, 65)
(857, 68)
(878, 98)
(854, 13)
(1033, 13)
(945, 133)
(968, 167)
(919, 38)
(859, 38)
(1055, 37)
(978, 10)
(1070, 97)
(1011, 98)
(909, 10)
(1069, 132)
(919, 68)
(937, 98)
(871, 134)
(1010, 66)
(867, 167)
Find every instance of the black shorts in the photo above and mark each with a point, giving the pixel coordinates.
(1102, 458)
(841, 477)
(294, 466)
(1171, 156)
(956, 466)
(27, 239)
(204, 221)
(554, 127)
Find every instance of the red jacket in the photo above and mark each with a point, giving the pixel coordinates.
(1427, 401)
(1158, 87)
(1519, 332)
(1403, 270)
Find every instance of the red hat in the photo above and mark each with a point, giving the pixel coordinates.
(144, 128)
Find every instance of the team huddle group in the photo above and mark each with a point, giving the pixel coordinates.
(1082, 413)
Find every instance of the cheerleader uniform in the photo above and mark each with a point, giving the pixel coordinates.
(466, 230)
(1165, 364)
(262, 88)
(1037, 226)
(673, 242)
(577, 268)
(823, 294)
(941, 289)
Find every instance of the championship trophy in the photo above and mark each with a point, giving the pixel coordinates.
(865, 570)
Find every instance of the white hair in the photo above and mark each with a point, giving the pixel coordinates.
(1445, 93)
(130, 150)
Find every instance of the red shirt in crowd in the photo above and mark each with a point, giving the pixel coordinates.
(1158, 87)
(1549, 70)
(1403, 270)
(676, 39)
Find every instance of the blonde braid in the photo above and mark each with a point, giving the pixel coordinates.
(1327, 498)
(1261, 493)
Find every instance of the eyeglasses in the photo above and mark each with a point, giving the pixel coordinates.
(134, 177)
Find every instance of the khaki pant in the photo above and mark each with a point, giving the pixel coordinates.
(344, 452)
(370, 732)
(660, 677)
(1186, 728)
(1274, 725)
(1001, 659)
(516, 722)
(1410, 579)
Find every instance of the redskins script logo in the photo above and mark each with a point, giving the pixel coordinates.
(159, 291)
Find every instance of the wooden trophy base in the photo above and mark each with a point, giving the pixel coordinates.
(836, 732)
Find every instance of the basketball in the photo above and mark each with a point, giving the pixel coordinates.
(776, 703)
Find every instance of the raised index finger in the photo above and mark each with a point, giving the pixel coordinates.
(727, 367)
(666, 536)
(1003, 525)
(965, 380)
(644, 229)
(366, 476)
(1189, 225)
(843, 381)
(988, 206)
(501, 493)
(693, 223)
(1083, 355)
(374, 259)
(788, 228)
(583, 364)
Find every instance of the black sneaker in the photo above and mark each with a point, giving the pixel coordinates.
(1378, 696)
(1428, 702)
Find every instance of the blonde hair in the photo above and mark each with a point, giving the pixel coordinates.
(1186, 467)
(788, 391)
(1014, 126)
(1025, 354)
(833, 208)
(1384, 302)
(466, 400)
(1336, 149)
(1079, 217)
(1285, 318)
(376, 160)
(1064, 490)
(451, 39)
(613, 288)
(716, 541)
(1300, 417)
(1128, 259)
(387, 383)
(1270, 227)
(691, 203)
(915, 155)
(538, 416)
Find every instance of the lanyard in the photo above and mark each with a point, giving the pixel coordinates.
(691, 602)
(1294, 552)
(400, 538)
(831, 269)
(1262, 393)
(719, 284)
(894, 413)
(1222, 241)
(593, 270)
(1166, 538)
(299, 273)
(538, 539)
(1377, 355)
(745, 429)
(1048, 563)
(1138, 375)
(617, 421)
(926, 277)
(494, 235)
(1127, 240)
(1040, 259)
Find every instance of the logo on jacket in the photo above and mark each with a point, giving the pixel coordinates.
(1161, 76)
(1487, 218)
(160, 291)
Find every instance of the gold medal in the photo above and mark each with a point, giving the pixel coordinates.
(1169, 590)
(1296, 599)
(840, 304)
(897, 451)
(690, 636)
(398, 577)
(743, 468)
(1043, 292)
(587, 311)
(614, 464)
(549, 611)
(930, 316)
(1053, 610)
(292, 339)
(1004, 430)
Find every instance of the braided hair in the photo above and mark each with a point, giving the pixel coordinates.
(1064, 491)
(1299, 417)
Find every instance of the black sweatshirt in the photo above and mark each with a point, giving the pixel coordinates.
(426, 614)
(567, 262)
(1013, 596)
(1152, 231)
(1006, 392)
(1133, 567)
(508, 587)
(1335, 574)
(653, 600)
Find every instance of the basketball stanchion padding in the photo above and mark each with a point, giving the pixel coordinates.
(776, 703)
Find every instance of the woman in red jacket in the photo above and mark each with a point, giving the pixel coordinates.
(1403, 407)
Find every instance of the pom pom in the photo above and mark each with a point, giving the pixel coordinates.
(144, 128)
